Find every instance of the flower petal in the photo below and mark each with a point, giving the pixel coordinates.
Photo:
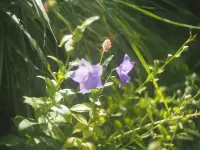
(97, 70)
(83, 89)
(124, 69)
(93, 82)
(80, 75)
(88, 76)
(86, 63)
(119, 69)
(124, 79)
(127, 65)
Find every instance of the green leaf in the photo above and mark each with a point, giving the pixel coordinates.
(69, 46)
(107, 61)
(80, 118)
(61, 114)
(11, 140)
(173, 128)
(158, 17)
(163, 130)
(51, 85)
(79, 127)
(108, 84)
(140, 89)
(99, 132)
(49, 82)
(154, 145)
(42, 120)
(65, 39)
(62, 109)
(35, 102)
(118, 124)
(58, 97)
(41, 6)
(31, 40)
(26, 124)
(192, 132)
(75, 63)
(72, 142)
(84, 107)
(78, 33)
(54, 131)
(88, 146)
(184, 136)
(58, 118)
(88, 132)
(90, 20)
(60, 63)
(66, 92)
(96, 101)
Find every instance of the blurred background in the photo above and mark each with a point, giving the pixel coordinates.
(30, 29)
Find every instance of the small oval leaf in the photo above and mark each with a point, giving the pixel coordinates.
(84, 107)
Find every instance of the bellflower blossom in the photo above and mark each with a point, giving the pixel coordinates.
(124, 69)
(88, 76)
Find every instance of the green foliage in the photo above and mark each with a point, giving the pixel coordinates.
(152, 122)
(141, 115)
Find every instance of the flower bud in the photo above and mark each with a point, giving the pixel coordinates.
(106, 45)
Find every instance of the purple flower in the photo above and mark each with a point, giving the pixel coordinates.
(124, 69)
(88, 76)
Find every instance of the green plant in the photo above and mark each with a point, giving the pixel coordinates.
(132, 119)
(128, 118)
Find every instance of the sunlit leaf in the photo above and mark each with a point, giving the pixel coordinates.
(99, 132)
(80, 118)
(163, 130)
(90, 20)
(158, 17)
(88, 132)
(26, 124)
(75, 63)
(84, 107)
(66, 92)
(69, 45)
(41, 6)
(58, 118)
(72, 142)
(58, 97)
(78, 33)
(108, 84)
(140, 89)
(88, 146)
(107, 61)
(57, 133)
(35, 102)
(51, 85)
(65, 39)
(79, 127)
(154, 145)
(62, 109)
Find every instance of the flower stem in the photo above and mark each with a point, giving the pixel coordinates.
(101, 57)
(67, 61)
(108, 78)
